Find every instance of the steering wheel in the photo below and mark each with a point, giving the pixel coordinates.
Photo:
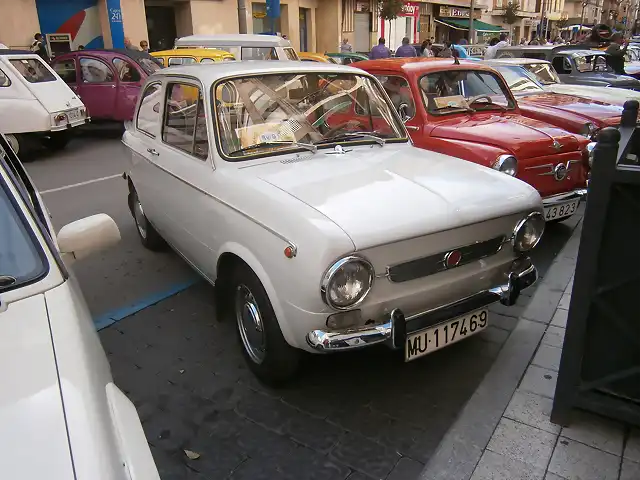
(473, 100)
(351, 123)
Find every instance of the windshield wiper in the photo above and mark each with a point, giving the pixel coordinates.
(466, 109)
(306, 146)
(342, 136)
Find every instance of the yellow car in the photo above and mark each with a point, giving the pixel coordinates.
(186, 56)
(315, 57)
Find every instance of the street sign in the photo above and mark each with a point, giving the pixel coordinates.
(273, 8)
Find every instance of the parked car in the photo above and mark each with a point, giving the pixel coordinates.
(574, 64)
(243, 46)
(347, 58)
(36, 105)
(573, 113)
(107, 81)
(322, 231)
(316, 57)
(465, 109)
(62, 416)
(187, 56)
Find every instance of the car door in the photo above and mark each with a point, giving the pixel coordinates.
(129, 81)
(98, 87)
(66, 69)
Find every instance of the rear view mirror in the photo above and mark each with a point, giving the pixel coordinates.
(83, 237)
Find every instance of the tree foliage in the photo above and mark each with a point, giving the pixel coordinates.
(511, 12)
(390, 9)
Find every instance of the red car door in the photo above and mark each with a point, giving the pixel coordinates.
(98, 87)
(130, 79)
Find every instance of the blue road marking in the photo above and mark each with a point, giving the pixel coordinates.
(109, 318)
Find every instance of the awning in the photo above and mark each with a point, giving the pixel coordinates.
(463, 24)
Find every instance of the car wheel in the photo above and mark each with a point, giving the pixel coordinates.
(264, 348)
(19, 143)
(149, 236)
(56, 141)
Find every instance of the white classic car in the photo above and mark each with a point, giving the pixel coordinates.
(62, 416)
(294, 188)
(36, 104)
(243, 46)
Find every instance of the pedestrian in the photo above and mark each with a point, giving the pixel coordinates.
(523, 41)
(345, 46)
(144, 46)
(425, 48)
(405, 50)
(380, 50)
(128, 45)
(490, 52)
(446, 51)
(39, 47)
(503, 42)
(80, 47)
(463, 41)
(615, 57)
(534, 40)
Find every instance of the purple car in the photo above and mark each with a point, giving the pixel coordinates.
(107, 81)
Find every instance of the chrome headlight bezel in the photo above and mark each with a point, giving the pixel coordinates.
(330, 274)
(507, 164)
(590, 147)
(519, 229)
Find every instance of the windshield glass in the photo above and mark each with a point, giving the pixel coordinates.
(259, 53)
(149, 66)
(33, 70)
(543, 73)
(21, 259)
(266, 114)
(453, 91)
(591, 63)
(518, 79)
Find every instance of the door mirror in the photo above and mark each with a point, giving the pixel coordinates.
(403, 110)
(83, 237)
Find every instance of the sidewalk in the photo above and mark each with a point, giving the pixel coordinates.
(504, 432)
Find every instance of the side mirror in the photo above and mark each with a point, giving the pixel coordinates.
(403, 110)
(83, 237)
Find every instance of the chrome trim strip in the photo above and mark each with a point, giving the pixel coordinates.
(552, 200)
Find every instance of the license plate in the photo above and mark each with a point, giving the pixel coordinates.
(560, 211)
(73, 115)
(443, 334)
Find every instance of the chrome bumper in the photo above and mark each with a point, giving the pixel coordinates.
(554, 200)
(394, 331)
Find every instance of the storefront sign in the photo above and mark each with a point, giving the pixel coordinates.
(115, 23)
(259, 14)
(362, 6)
(410, 9)
(530, 22)
(453, 12)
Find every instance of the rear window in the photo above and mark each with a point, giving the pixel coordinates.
(150, 66)
(33, 70)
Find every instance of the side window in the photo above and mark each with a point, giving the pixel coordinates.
(161, 60)
(185, 125)
(126, 71)
(66, 69)
(175, 61)
(95, 71)
(149, 112)
(561, 64)
(207, 60)
(4, 80)
(400, 94)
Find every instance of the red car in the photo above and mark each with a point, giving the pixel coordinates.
(107, 81)
(465, 109)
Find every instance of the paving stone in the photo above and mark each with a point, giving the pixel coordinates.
(509, 311)
(313, 432)
(596, 432)
(560, 318)
(493, 466)
(632, 449)
(365, 455)
(406, 469)
(577, 461)
(305, 464)
(548, 357)
(533, 410)
(254, 470)
(541, 381)
(217, 459)
(258, 442)
(630, 470)
(553, 476)
(265, 411)
(554, 336)
(494, 335)
(522, 443)
(359, 476)
(502, 321)
(565, 301)
(543, 304)
(168, 432)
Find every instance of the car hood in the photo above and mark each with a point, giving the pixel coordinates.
(33, 438)
(379, 195)
(615, 96)
(523, 136)
(590, 110)
(622, 81)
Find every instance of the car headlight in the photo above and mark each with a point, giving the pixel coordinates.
(588, 130)
(347, 282)
(506, 164)
(590, 148)
(528, 232)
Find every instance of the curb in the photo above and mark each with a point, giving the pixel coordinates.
(461, 447)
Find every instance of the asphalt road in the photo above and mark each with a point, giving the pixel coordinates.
(356, 416)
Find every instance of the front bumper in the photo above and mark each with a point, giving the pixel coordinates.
(561, 198)
(395, 330)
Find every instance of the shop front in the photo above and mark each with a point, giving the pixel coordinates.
(452, 24)
(407, 24)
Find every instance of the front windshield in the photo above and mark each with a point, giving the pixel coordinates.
(149, 66)
(543, 73)
(274, 113)
(591, 63)
(453, 91)
(259, 53)
(518, 79)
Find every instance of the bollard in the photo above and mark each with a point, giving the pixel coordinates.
(629, 114)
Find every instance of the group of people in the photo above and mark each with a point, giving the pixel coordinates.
(405, 50)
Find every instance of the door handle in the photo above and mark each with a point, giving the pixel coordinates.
(412, 127)
(153, 152)
(113, 86)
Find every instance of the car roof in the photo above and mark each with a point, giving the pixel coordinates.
(198, 52)
(5, 51)
(239, 39)
(582, 52)
(209, 73)
(127, 52)
(420, 64)
(515, 61)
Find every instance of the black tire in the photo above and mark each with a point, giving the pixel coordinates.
(149, 237)
(279, 362)
(20, 144)
(56, 140)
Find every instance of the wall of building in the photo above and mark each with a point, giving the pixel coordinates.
(328, 25)
(210, 17)
(18, 32)
(183, 15)
(134, 20)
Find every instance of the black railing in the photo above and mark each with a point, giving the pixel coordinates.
(600, 365)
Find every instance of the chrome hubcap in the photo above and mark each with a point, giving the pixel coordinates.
(250, 324)
(13, 141)
(141, 221)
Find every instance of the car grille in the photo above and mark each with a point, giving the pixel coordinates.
(422, 267)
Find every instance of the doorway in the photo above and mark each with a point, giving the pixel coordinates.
(362, 28)
(161, 27)
(304, 29)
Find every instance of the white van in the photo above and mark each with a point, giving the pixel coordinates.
(35, 103)
(243, 46)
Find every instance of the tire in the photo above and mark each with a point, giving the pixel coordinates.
(19, 143)
(57, 141)
(149, 237)
(271, 359)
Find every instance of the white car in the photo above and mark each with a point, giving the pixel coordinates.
(243, 46)
(295, 189)
(62, 416)
(36, 105)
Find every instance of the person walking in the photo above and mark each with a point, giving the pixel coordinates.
(144, 46)
(39, 48)
(446, 51)
(345, 46)
(426, 49)
(405, 50)
(380, 50)
(128, 45)
(490, 52)
(615, 59)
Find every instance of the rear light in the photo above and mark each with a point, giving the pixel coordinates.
(61, 117)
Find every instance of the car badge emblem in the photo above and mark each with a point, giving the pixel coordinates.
(560, 172)
(452, 259)
(68, 104)
(556, 144)
(338, 150)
